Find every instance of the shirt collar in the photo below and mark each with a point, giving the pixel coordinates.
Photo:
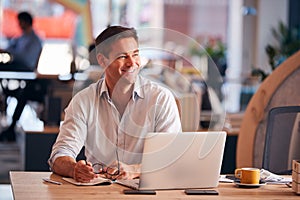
(137, 90)
(103, 88)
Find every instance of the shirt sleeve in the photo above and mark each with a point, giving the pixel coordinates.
(72, 134)
(168, 119)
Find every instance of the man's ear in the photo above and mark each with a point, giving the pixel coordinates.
(102, 60)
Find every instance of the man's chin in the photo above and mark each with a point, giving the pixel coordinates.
(128, 79)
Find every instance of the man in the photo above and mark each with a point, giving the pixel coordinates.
(112, 117)
(25, 50)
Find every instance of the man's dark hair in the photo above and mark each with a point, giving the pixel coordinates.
(110, 35)
(25, 17)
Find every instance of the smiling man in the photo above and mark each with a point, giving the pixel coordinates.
(112, 117)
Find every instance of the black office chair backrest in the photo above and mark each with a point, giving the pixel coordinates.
(282, 139)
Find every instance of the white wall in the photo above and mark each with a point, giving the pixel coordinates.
(269, 13)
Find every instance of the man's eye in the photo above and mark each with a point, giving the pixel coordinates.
(121, 57)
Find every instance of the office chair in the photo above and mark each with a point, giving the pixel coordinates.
(282, 139)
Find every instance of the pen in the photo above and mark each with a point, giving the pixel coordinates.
(51, 181)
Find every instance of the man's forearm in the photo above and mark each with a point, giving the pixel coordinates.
(64, 166)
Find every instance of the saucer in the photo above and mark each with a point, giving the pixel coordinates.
(244, 185)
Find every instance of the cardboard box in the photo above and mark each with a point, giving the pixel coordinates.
(296, 187)
(296, 166)
(296, 177)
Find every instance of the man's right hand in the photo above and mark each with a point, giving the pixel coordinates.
(83, 172)
(68, 167)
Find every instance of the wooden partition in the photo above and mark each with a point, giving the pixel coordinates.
(280, 88)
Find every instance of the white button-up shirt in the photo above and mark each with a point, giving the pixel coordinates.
(92, 120)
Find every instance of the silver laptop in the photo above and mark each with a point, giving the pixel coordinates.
(180, 161)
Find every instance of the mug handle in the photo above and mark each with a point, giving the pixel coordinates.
(238, 173)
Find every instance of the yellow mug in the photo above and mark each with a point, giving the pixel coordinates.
(248, 175)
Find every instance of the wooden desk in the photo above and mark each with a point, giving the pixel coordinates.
(29, 185)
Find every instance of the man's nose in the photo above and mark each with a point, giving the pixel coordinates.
(130, 61)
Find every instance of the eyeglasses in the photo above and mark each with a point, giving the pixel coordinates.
(100, 168)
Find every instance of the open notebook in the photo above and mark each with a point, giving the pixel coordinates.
(180, 161)
(95, 181)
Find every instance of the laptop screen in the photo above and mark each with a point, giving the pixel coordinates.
(182, 160)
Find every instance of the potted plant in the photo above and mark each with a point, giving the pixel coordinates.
(212, 47)
(287, 43)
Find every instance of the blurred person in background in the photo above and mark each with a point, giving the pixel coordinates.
(25, 52)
